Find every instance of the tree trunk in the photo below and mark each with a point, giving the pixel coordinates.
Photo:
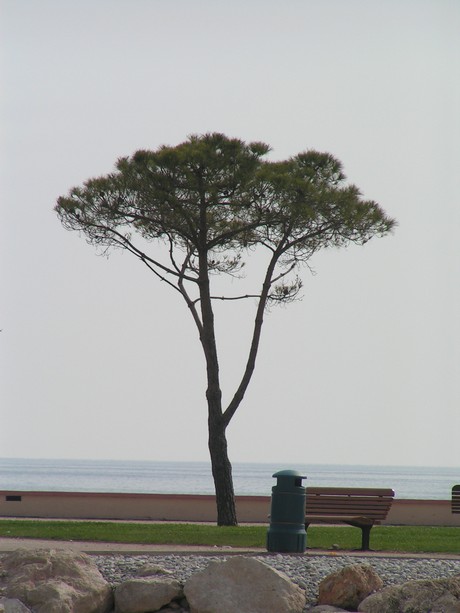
(221, 470)
(217, 440)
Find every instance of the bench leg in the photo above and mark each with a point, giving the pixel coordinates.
(366, 533)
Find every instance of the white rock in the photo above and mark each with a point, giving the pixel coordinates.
(243, 585)
(55, 581)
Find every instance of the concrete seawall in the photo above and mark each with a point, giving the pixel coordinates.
(185, 507)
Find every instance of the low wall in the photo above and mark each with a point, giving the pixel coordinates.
(421, 513)
(185, 507)
(159, 507)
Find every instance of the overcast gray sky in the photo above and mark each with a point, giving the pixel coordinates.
(99, 360)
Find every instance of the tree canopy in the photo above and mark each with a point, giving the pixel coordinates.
(212, 201)
(217, 196)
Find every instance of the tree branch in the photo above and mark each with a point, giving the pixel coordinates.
(190, 303)
(235, 297)
(122, 240)
(255, 341)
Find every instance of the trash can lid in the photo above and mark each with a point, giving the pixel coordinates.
(289, 473)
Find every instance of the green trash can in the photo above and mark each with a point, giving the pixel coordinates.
(286, 533)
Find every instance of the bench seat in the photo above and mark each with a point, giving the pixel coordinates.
(456, 499)
(358, 507)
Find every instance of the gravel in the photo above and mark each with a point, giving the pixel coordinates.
(306, 571)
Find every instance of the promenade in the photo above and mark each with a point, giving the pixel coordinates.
(158, 508)
(131, 549)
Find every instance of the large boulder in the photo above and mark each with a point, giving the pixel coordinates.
(350, 585)
(433, 595)
(55, 581)
(146, 594)
(243, 585)
(13, 605)
(151, 589)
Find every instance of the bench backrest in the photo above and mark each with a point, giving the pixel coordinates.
(368, 502)
(456, 499)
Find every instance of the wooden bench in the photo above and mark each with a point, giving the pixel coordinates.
(456, 499)
(359, 507)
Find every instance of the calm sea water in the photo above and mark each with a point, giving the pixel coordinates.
(195, 477)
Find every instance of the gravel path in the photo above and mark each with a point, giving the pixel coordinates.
(306, 571)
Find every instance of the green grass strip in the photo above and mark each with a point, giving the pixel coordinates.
(139, 533)
(410, 539)
(403, 539)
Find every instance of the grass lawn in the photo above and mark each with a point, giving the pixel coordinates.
(409, 539)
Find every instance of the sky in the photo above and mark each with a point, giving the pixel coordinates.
(100, 360)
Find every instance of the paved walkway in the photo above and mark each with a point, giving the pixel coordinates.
(10, 544)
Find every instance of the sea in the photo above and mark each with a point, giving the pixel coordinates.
(251, 479)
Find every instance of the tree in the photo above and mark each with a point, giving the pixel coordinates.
(211, 201)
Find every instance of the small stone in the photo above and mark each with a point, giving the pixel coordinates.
(327, 608)
(152, 570)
